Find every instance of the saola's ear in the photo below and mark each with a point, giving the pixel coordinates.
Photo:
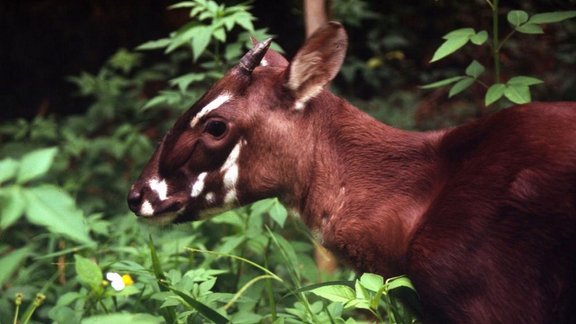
(271, 58)
(317, 62)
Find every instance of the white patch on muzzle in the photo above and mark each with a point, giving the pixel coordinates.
(146, 209)
(214, 104)
(198, 185)
(231, 172)
(159, 187)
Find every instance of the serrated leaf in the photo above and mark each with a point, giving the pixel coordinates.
(12, 204)
(450, 46)
(8, 169)
(372, 281)
(494, 93)
(524, 80)
(475, 69)
(460, 86)
(517, 17)
(9, 263)
(552, 17)
(35, 164)
(442, 83)
(200, 41)
(530, 29)
(53, 208)
(479, 38)
(88, 272)
(518, 94)
(336, 293)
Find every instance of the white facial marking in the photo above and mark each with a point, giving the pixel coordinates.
(146, 209)
(198, 185)
(299, 105)
(232, 158)
(231, 177)
(264, 62)
(160, 187)
(230, 196)
(214, 104)
(210, 198)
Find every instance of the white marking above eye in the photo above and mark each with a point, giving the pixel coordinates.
(198, 185)
(214, 104)
(160, 187)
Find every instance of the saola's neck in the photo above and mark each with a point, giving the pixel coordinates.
(370, 184)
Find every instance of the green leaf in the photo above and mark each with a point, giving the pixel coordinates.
(517, 17)
(460, 86)
(204, 310)
(372, 281)
(9, 263)
(442, 83)
(450, 46)
(336, 293)
(468, 32)
(552, 17)
(53, 208)
(494, 93)
(154, 44)
(201, 40)
(123, 318)
(479, 38)
(185, 80)
(530, 29)
(220, 34)
(518, 94)
(475, 69)
(35, 164)
(403, 289)
(88, 272)
(278, 213)
(12, 204)
(524, 80)
(8, 169)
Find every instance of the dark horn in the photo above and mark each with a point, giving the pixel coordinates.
(250, 60)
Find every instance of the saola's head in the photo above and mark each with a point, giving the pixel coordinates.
(241, 141)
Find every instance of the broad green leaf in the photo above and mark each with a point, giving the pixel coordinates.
(524, 80)
(475, 69)
(494, 93)
(336, 293)
(9, 263)
(200, 40)
(35, 164)
(468, 32)
(8, 169)
(552, 17)
(185, 80)
(372, 281)
(88, 272)
(261, 207)
(53, 208)
(517, 17)
(12, 204)
(479, 38)
(460, 86)
(518, 94)
(530, 29)
(245, 20)
(450, 46)
(442, 83)
(402, 289)
(123, 318)
(220, 34)
(278, 213)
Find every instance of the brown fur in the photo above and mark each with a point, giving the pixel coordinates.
(481, 217)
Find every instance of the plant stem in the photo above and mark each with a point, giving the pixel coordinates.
(495, 41)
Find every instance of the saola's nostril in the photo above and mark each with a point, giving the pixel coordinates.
(135, 200)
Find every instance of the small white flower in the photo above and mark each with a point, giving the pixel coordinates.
(116, 281)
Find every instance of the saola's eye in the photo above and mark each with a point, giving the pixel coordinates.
(216, 128)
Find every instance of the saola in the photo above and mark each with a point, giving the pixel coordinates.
(481, 217)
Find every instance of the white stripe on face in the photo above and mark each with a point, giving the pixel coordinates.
(231, 170)
(159, 187)
(214, 104)
(198, 185)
